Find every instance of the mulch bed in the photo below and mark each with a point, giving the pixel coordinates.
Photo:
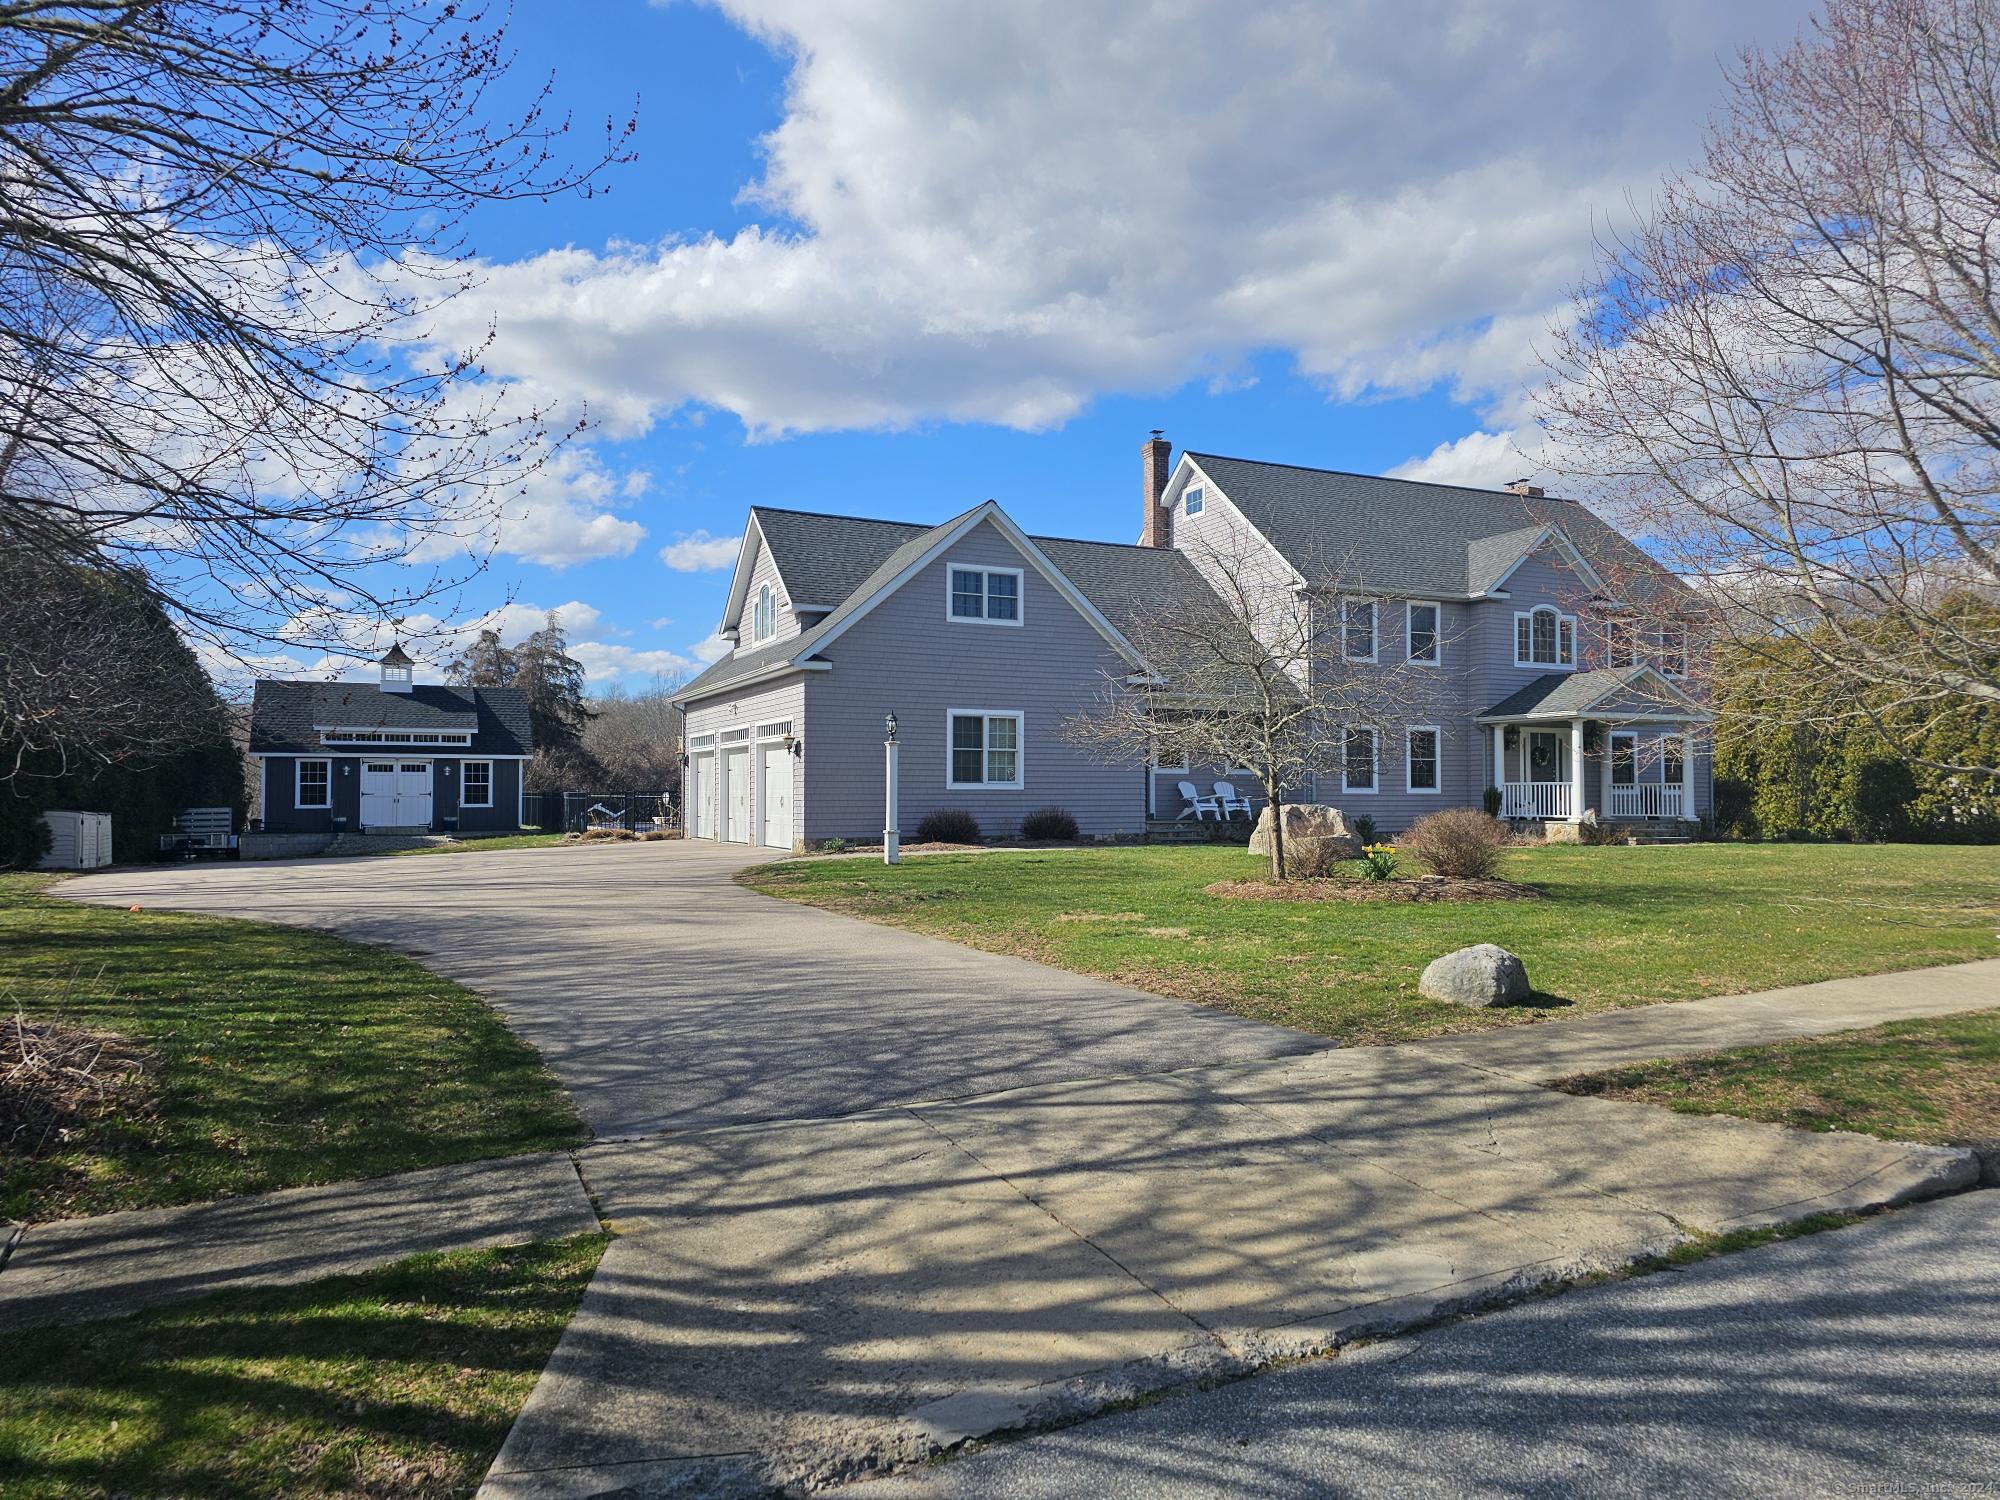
(57, 1081)
(1357, 888)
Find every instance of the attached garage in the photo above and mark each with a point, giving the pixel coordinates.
(735, 794)
(701, 794)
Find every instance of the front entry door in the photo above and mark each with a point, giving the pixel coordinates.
(396, 794)
(736, 794)
(774, 795)
(1548, 755)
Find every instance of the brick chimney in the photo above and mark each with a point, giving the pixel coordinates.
(1156, 465)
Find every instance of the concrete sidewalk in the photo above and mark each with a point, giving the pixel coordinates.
(68, 1270)
(800, 1303)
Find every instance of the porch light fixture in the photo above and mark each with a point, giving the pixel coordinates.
(889, 724)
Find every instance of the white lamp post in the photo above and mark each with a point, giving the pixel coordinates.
(891, 840)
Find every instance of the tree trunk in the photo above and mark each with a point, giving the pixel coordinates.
(1276, 796)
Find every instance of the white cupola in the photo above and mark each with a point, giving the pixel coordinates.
(398, 670)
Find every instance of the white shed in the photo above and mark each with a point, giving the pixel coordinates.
(77, 841)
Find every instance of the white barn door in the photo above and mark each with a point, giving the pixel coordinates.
(700, 808)
(774, 795)
(379, 784)
(736, 794)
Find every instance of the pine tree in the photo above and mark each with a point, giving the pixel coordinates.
(554, 682)
(485, 663)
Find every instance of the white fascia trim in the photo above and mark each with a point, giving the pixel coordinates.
(1215, 490)
(762, 674)
(989, 510)
(739, 581)
(1549, 533)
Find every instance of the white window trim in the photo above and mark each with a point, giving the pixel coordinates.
(1020, 781)
(1611, 756)
(982, 618)
(463, 800)
(1199, 502)
(1660, 656)
(1561, 621)
(299, 782)
(1374, 630)
(1374, 760)
(1613, 629)
(1436, 658)
(1437, 757)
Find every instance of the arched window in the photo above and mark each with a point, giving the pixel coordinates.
(1544, 637)
(764, 624)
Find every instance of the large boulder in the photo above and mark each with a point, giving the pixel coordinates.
(1308, 822)
(1484, 974)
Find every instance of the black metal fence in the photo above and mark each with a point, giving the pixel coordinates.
(576, 812)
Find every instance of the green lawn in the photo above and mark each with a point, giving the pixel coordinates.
(1935, 1080)
(401, 1382)
(1617, 926)
(285, 1057)
(473, 844)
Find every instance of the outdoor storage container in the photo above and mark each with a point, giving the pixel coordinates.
(77, 841)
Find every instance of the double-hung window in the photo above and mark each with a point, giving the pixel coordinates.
(1357, 759)
(476, 787)
(1192, 500)
(1544, 637)
(1357, 629)
(990, 594)
(1618, 643)
(984, 749)
(1421, 622)
(1624, 758)
(1673, 758)
(1423, 758)
(1673, 651)
(315, 788)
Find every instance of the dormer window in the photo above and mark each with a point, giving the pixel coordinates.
(398, 670)
(1544, 637)
(764, 619)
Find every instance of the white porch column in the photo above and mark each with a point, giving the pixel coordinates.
(1500, 764)
(1687, 778)
(1604, 777)
(891, 839)
(1576, 770)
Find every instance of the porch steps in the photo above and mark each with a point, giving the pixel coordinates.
(1657, 831)
(1198, 831)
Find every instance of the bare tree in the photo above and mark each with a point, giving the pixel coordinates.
(636, 737)
(1788, 375)
(1255, 670)
(221, 225)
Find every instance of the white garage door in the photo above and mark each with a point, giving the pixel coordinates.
(774, 795)
(701, 794)
(736, 794)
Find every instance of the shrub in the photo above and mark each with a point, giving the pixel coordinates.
(832, 846)
(1492, 799)
(1459, 842)
(1049, 823)
(1314, 859)
(1732, 807)
(1364, 829)
(1879, 794)
(948, 825)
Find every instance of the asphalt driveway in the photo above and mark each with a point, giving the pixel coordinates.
(665, 997)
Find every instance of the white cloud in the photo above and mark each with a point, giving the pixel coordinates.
(1483, 460)
(698, 552)
(605, 662)
(711, 650)
(996, 213)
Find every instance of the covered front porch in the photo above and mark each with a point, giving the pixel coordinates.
(1622, 744)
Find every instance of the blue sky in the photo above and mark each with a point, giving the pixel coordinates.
(895, 259)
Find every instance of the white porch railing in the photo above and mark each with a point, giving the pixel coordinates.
(1537, 799)
(1650, 799)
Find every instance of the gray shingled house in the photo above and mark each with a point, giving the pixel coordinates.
(393, 756)
(982, 640)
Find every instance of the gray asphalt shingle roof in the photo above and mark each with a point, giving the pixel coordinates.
(823, 559)
(1567, 694)
(1401, 536)
(283, 713)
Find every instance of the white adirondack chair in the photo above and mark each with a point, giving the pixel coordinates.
(1198, 806)
(1232, 801)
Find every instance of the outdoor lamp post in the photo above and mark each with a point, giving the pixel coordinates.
(891, 840)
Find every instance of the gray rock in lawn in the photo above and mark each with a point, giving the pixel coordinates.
(1309, 822)
(1484, 974)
